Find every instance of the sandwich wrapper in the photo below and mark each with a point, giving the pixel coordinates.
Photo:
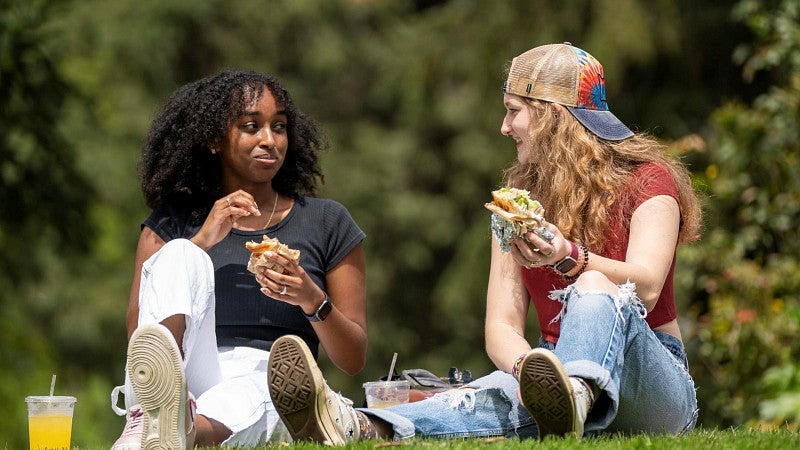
(258, 260)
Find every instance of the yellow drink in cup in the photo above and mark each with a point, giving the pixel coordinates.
(50, 422)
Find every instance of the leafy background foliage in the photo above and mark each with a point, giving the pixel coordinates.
(409, 95)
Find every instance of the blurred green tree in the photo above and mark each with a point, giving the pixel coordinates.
(44, 203)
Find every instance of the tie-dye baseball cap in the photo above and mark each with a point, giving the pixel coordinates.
(567, 75)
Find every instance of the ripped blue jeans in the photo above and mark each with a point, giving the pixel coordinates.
(643, 376)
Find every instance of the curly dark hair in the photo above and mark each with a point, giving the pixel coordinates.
(177, 168)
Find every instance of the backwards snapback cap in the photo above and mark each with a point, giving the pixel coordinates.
(569, 76)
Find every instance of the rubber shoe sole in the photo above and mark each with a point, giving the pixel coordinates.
(298, 392)
(547, 393)
(156, 374)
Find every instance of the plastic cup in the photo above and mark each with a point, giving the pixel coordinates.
(50, 421)
(382, 394)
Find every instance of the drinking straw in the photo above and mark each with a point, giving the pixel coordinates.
(391, 368)
(53, 385)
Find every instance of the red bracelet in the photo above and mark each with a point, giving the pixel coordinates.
(573, 253)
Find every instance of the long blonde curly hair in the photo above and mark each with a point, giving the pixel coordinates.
(579, 178)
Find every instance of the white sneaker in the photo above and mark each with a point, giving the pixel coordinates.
(308, 407)
(156, 373)
(550, 396)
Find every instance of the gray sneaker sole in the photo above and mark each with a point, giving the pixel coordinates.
(547, 393)
(156, 374)
(295, 391)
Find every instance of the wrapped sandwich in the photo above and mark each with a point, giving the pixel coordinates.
(258, 260)
(514, 213)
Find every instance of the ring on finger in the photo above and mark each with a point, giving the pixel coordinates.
(228, 199)
(283, 291)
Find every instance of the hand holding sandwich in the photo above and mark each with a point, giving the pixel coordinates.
(278, 271)
(520, 228)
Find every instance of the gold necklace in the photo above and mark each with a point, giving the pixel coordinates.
(274, 206)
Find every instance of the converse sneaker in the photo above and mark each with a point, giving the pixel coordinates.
(308, 407)
(156, 373)
(550, 396)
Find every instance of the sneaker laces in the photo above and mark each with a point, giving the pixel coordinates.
(346, 417)
(133, 422)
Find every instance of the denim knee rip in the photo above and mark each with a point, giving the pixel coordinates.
(625, 297)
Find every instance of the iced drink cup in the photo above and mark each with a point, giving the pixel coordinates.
(382, 394)
(50, 421)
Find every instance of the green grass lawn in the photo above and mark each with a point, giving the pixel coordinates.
(733, 439)
(729, 439)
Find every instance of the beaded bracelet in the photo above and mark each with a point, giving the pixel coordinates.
(517, 366)
(582, 263)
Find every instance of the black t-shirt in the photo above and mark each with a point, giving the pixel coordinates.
(321, 229)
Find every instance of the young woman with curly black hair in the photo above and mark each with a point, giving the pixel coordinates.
(230, 159)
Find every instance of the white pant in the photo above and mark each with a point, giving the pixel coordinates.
(230, 384)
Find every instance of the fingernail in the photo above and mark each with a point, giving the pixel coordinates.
(265, 291)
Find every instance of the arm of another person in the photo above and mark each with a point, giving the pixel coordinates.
(149, 243)
(507, 304)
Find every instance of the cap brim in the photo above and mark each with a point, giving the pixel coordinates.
(604, 124)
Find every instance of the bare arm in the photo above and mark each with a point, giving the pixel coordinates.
(149, 243)
(651, 248)
(507, 304)
(343, 333)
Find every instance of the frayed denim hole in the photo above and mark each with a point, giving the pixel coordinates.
(627, 297)
(561, 295)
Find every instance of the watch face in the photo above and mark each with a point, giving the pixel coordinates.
(324, 310)
(566, 265)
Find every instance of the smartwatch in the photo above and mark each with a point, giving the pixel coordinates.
(569, 262)
(322, 311)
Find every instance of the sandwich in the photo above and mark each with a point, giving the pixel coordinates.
(258, 260)
(515, 213)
